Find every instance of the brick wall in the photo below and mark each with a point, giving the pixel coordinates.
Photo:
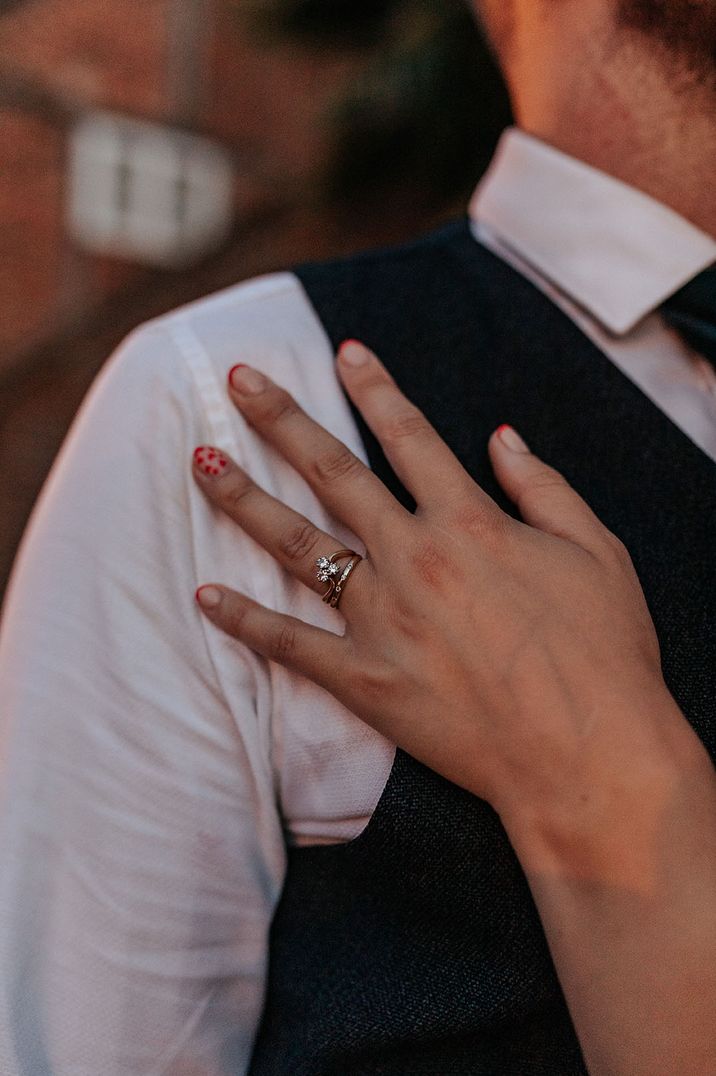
(185, 62)
(31, 233)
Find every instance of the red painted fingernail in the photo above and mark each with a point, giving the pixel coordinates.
(209, 597)
(210, 461)
(246, 380)
(510, 437)
(354, 353)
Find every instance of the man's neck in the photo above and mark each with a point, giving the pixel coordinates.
(627, 119)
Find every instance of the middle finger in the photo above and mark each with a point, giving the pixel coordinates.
(342, 482)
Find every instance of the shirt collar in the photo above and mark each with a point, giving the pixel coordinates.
(614, 250)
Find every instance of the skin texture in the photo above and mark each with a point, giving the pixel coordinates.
(539, 635)
(511, 622)
(629, 86)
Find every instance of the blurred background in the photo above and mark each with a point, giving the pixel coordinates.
(154, 151)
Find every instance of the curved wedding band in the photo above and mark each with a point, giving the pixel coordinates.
(330, 572)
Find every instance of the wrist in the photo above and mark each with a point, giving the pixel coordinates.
(604, 822)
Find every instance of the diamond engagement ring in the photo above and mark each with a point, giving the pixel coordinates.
(335, 574)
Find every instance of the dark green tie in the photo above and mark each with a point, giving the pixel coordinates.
(692, 312)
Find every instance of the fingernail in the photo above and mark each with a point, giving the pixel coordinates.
(209, 597)
(247, 380)
(353, 353)
(210, 461)
(511, 439)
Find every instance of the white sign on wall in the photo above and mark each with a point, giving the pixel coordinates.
(146, 192)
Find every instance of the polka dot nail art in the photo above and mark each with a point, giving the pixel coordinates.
(210, 461)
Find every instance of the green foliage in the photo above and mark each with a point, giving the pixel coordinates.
(336, 23)
(427, 111)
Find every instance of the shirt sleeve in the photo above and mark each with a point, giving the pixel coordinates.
(141, 855)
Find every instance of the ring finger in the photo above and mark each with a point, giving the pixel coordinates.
(289, 537)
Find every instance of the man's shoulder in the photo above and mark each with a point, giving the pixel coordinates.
(265, 311)
(271, 293)
(187, 346)
(425, 249)
(229, 306)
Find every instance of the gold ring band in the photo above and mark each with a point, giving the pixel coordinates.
(330, 572)
(338, 590)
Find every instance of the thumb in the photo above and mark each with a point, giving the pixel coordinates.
(544, 497)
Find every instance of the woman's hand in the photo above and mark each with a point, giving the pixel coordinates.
(518, 659)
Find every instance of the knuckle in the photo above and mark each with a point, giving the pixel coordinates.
(278, 405)
(544, 481)
(471, 519)
(336, 464)
(241, 486)
(475, 520)
(299, 540)
(283, 643)
(430, 563)
(538, 487)
(499, 531)
(405, 425)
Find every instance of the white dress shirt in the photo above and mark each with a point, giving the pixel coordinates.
(153, 769)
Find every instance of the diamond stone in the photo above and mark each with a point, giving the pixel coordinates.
(326, 569)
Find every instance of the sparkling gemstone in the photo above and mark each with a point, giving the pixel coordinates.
(327, 570)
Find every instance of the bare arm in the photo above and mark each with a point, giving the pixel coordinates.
(624, 878)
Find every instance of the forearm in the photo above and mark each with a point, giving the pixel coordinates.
(625, 884)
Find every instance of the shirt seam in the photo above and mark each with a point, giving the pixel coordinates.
(259, 583)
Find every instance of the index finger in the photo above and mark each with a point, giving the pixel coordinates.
(341, 481)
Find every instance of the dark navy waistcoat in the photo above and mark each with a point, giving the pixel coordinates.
(416, 948)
